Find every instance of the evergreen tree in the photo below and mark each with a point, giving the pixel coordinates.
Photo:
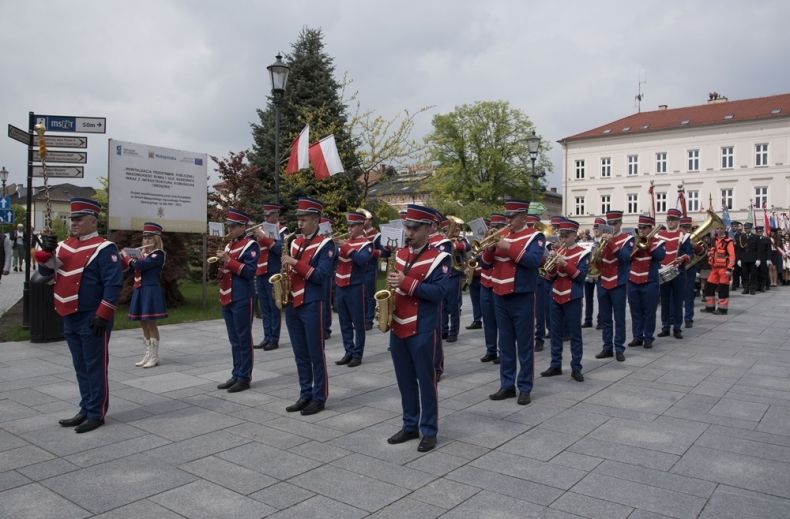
(312, 96)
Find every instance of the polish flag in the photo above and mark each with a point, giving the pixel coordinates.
(299, 152)
(766, 222)
(325, 159)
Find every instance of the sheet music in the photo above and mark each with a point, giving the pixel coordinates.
(325, 229)
(392, 235)
(133, 252)
(216, 229)
(478, 227)
(271, 230)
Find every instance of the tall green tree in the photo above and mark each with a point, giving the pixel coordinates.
(481, 154)
(312, 96)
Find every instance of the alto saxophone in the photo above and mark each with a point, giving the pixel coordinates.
(385, 303)
(281, 284)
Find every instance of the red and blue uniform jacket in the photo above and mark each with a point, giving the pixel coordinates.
(420, 294)
(616, 260)
(316, 266)
(237, 275)
(677, 245)
(645, 263)
(148, 270)
(270, 251)
(517, 271)
(568, 281)
(353, 259)
(88, 275)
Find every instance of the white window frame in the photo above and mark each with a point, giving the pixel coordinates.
(632, 164)
(692, 201)
(761, 155)
(580, 169)
(693, 162)
(727, 157)
(606, 167)
(728, 197)
(661, 202)
(606, 203)
(761, 196)
(661, 162)
(579, 205)
(632, 198)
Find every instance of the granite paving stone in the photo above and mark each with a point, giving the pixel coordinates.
(444, 493)
(282, 495)
(22, 456)
(36, 502)
(12, 479)
(732, 408)
(507, 485)
(586, 506)
(664, 434)
(204, 500)
(554, 475)
(143, 509)
(408, 476)
(539, 443)
(656, 478)
(48, 469)
(185, 423)
(229, 475)
(625, 453)
(269, 460)
(731, 503)
(320, 507)
(491, 505)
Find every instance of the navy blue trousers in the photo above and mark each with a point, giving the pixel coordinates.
(350, 306)
(370, 289)
(566, 318)
(90, 358)
(515, 317)
(270, 314)
(474, 294)
(589, 297)
(438, 356)
(451, 315)
(688, 294)
(489, 319)
(642, 300)
(413, 358)
(611, 306)
(329, 285)
(238, 321)
(672, 298)
(542, 302)
(307, 339)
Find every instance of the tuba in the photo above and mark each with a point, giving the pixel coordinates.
(281, 284)
(713, 220)
(385, 302)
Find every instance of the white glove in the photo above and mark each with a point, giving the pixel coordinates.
(769, 263)
(739, 263)
(757, 263)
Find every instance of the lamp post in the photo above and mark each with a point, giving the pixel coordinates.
(3, 178)
(533, 145)
(278, 73)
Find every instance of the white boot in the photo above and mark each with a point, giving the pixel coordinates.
(142, 361)
(153, 359)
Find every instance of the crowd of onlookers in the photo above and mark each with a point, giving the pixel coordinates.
(12, 250)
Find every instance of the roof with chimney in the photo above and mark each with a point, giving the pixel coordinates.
(717, 111)
(64, 192)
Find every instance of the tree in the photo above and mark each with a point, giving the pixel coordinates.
(313, 96)
(238, 186)
(481, 154)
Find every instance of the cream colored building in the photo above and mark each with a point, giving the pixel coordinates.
(732, 152)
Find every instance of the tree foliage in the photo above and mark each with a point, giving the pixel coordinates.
(238, 186)
(481, 154)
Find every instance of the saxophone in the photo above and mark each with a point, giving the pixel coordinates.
(385, 304)
(281, 284)
(595, 261)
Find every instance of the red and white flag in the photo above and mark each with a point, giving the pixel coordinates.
(325, 159)
(299, 158)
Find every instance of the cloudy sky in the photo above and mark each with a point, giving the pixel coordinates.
(190, 74)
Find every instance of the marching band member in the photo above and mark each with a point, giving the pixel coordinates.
(310, 264)
(148, 303)
(643, 283)
(515, 260)
(737, 274)
(721, 258)
(678, 253)
(691, 276)
(542, 292)
(589, 286)
(437, 240)
(764, 257)
(268, 265)
(239, 262)
(568, 272)
(420, 282)
(451, 314)
(371, 271)
(474, 295)
(329, 285)
(353, 260)
(88, 278)
(614, 268)
(498, 220)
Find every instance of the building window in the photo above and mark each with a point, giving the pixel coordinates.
(661, 162)
(761, 196)
(661, 202)
(606, 167)
(606, 203)
(761, 154)
(633, 203)
(692, 201)
(693, 160)
(726, 198)
(727, 157)
(633, 165)
(579, 206)
(580, 169)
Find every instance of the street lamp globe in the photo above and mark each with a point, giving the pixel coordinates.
(278, 73)
(3, 174)
(533, 145)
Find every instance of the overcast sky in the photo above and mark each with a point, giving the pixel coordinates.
(190, 74)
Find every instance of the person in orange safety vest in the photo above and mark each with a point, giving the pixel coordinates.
(721, 258)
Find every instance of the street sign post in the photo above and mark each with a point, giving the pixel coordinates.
(6, 216)
(59, 171)
(67, 123)
(69, 157)
(63, 141)
(18, 134)
(5, 203)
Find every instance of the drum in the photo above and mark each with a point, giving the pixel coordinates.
(668, 273)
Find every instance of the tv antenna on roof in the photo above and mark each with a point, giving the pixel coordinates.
(640, 95)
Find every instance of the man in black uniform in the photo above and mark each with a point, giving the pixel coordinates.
(764, 256)
(748, 243)
(737, 230)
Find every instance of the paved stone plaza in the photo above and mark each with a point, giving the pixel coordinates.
(692, 428)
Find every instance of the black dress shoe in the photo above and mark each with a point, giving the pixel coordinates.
(74, 421)
(708, 309)
(316, 406)
(354, 363)
(402, 436)
(427, 444)
(635, 343)
(271, 346)
(551, 372)
(239, 386)
(228, 383)
(577, 376)
(751, 292)
(452, 338)
(648, 345)
(523, 398)
(663, 333)
(345, 360)
(689, 324)
(488, 357)
(327, 334)
(677, 334)
(620, 356)
(298, 405)
(261, 345)
(604, 355)
(476, 325)
(538, 345)
(587, 325)
(745, 292)
(503, 394)
(88, 425)
(496, 361)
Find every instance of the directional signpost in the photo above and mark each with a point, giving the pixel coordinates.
(67, 123)
(59, 171)
(63, 141)
(18, 134)
(69, 157)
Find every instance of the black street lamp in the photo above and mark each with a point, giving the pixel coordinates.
(533, 145)
(3, 178)
(278, 73)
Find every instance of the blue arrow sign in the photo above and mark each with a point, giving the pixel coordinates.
(5, 203)
(67, 123)
(6, 216)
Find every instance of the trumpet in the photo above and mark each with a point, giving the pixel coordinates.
(552, 262)
(479, 246)
(339, 236)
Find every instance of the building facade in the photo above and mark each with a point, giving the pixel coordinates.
(729, 152)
